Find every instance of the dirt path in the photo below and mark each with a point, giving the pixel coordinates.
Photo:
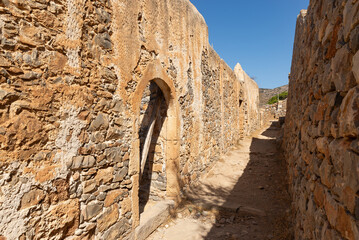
(244, 197)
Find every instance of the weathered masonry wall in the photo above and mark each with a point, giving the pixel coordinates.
(322, 122)
(72, 77)
(249, 102)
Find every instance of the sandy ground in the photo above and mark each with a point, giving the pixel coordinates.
(243, 197)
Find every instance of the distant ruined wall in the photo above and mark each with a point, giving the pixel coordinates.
(273, 112)
(322, 122)
(72, 75)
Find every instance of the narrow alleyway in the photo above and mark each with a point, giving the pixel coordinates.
(244, 196)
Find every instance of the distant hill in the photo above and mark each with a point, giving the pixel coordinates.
(265, 94)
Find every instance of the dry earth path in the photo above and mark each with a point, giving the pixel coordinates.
(243, 197)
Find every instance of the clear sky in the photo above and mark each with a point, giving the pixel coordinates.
(258, 34)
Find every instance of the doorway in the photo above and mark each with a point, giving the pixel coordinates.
(153, 145)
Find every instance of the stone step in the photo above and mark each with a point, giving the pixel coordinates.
(152, 218)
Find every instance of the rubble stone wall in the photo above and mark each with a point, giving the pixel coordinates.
(322, 122)
(72, 76)
(249, 102)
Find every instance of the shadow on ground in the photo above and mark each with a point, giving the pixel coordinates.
(258, 206)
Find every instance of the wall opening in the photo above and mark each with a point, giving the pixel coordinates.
(153, 146)
(240, 102)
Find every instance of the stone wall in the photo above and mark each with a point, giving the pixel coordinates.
(249, 101)
(322, 123)
(72, 79)
(273, 112)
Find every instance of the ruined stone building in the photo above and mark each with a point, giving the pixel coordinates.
(109, 106)
(322, 122)
(104, 106)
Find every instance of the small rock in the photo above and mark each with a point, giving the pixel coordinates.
(128, 215)
(76, 176)
(101, 196)
(76, 162)
(113, 196)
(103, 40)
(108, 218)
(78, 232)
(100, 123)
(4, 62)
(109, 74)
(84, 197)
(88, 162)
(92, 210)
(104, 188)
(32, 198)
(30, 76)
(104, 175)
(90, 226)
(120, 175)
(89, 186)
(3, 94)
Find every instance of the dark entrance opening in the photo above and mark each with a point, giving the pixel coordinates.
(153, 179)
(240, 102)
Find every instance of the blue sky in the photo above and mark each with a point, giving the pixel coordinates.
(257, 34)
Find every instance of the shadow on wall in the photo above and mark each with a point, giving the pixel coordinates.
(258, 206)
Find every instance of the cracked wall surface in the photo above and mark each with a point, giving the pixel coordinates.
(72, 75)
(322, 121)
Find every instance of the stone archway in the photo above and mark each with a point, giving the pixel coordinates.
(171, 128)
(153, 143)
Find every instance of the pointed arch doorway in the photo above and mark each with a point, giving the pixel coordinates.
(155, 156)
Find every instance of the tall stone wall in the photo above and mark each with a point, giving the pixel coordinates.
(72, 77)
(322, 122)
(249, 102)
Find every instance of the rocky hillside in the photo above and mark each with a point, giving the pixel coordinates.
(265, 94)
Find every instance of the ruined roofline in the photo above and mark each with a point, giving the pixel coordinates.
(238, 69)
(196, 12)
(303, 13)
(210, 47)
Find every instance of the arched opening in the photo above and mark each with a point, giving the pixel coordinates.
(153, 145)
(163, 164)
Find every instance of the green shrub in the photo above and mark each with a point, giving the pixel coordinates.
(274, 99)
